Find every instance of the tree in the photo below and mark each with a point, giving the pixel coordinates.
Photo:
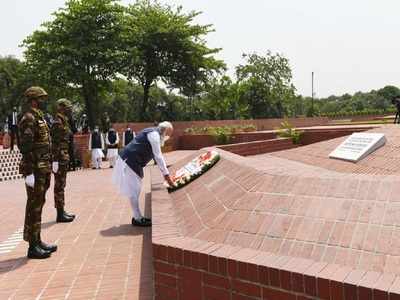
(162, 44)
(266, 83)
(389, 92)
(13, 81)
(80, 48)
(220, 100)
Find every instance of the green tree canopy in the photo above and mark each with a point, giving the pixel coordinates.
(266, 84)
(13, 80)
(163, 44)
(79, 48)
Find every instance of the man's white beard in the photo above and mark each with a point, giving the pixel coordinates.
(163, 139)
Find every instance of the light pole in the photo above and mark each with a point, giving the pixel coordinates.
(312, 94)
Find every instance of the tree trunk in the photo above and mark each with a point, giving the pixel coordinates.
(88, 96)
(146, 92)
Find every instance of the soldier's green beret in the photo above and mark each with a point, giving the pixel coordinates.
(35, 92)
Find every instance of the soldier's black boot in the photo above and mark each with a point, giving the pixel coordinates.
(36, 252)
(63, 217)
(48, 247)
(69, 215)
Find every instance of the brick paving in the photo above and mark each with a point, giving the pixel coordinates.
(290, 208)
(293, 213)
(384, 161)
(100, 255)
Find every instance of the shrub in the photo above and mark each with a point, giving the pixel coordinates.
(227, 129)
(221, 135)
(249, 128)
(288, 131)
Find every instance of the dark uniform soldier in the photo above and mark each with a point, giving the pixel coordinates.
(34, 145)
(61, 138)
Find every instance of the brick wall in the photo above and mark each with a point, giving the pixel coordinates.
(198, 141)
(261, 124)
(205, 271)
(81, 144)
(311, 136)
(259, 147)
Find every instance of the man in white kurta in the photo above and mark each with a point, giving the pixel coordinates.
(128, 172)
(96, 145)
(127, 136)
(112, 141)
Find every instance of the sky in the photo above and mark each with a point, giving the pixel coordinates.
(350, 45)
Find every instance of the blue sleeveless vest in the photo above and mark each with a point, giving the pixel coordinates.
(138, 152)
(96, 140)
(128, 137)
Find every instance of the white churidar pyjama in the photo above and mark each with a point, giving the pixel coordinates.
(129, 185)
(97, 155)
(112, 155)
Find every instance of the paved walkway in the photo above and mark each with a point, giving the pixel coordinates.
(100, 256)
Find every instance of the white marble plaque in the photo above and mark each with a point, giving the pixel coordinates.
(358, 145)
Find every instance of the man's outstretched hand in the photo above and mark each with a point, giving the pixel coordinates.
(169, 180)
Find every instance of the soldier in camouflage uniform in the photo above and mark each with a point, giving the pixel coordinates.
(34, 145)
(61, 138)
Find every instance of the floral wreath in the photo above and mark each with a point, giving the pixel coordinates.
(194, 169)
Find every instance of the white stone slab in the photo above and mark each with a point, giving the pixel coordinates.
(358, 146)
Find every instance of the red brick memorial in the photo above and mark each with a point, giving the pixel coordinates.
(294, 225)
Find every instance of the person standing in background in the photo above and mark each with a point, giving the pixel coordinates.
(61, 138)
(112, 141)
(12, 123)
(128, 136)
(396, 103)
(96, 145)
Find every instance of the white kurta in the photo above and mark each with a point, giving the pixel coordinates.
(112, 152)
(129, 183)
(97, 153)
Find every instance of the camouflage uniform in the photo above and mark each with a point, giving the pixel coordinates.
(35, 147)
(61, 138)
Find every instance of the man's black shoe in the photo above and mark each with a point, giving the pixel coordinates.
(63, 217)
(36, 252)
(48, 247)
(141, 222)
